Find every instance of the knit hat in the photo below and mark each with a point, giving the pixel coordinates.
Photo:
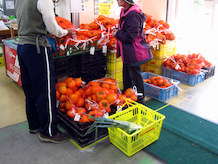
(129, 2)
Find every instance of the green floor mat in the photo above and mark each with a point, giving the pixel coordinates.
(184, 138)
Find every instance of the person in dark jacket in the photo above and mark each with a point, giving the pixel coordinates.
(132, 46)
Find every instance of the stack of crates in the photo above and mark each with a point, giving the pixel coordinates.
(2, 60)
(159, 55)
(115, 68)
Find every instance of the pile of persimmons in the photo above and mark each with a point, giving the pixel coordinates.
(94, 99)
(158, 81)
(159, 30)
(191, 64)
(101, 28)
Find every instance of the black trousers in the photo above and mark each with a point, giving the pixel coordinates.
(38, 82)
(132, 77)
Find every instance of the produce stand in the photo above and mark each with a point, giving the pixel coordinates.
(11, 59)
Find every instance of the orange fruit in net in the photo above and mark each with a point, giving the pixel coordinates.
(57, 95)
(78, 82)
(114, 87)
(62, 90)
(74, 98)
(101, 95)
(62, 105)
(111, 97)
(103, 104)
(68, 79)
(69, 91)
(68, 105)
(88, 91)
(95, 89)
(106, 85)
(62, 98)
(129, 92)
(71, 84)
(133, 97)
(80, 102)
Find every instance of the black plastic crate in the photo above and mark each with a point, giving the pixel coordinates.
(78, 130)
(88, 58)
(71, 50)
(210, 71)
(66, 66)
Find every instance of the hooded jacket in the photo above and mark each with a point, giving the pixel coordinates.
(131, 43)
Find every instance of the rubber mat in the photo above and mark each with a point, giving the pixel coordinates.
(184, 138)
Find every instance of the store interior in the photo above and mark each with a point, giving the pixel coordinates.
(194, 23)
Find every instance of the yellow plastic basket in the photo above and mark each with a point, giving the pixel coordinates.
(120, 84)
(2, 61)
(150, 120)
(113, 67)
(155, 70)
(112, 57)
(156, 62)
(161, 54)
(117, 75)
(165, 50)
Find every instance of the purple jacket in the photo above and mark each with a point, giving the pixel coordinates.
(131, 43)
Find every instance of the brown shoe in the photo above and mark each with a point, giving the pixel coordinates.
(34, 131)
(59, 137)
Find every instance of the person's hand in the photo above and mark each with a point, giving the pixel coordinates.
(114, 32)
(71, 31)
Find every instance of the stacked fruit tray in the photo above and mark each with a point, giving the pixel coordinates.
(77, 130)
(159, 87)
(183, 77)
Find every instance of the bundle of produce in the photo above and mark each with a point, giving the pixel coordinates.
(158, 81)
(157, 31)
(128, 127)
(191, 64)
(97, 31)
(94, 99)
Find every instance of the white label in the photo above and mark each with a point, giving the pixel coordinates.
(106, 115)
(118, 107)
(74, 37)
(104, 49)
(177, 66)
(77, 117)
(92, 50)
(62, 47)
(57, 103)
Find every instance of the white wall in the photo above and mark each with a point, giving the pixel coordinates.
(156, 8)
(63, 9)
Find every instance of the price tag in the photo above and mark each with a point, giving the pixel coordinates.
(106, 115)
(177, 66)
(92, 50)
(57, 103)
(74, 37)
(118, 107)
(104, 49)
(77, 117)
(62, 47)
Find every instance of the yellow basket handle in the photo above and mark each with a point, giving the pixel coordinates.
(130, 102)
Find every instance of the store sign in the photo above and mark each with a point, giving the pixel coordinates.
(12, 64)
(104, 8)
